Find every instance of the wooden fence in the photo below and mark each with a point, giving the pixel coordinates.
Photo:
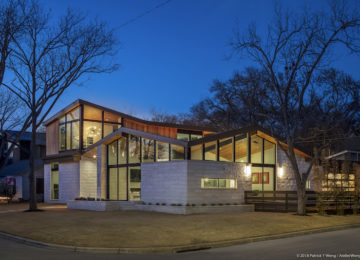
(286, 201)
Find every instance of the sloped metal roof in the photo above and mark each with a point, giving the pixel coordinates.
(19, 168)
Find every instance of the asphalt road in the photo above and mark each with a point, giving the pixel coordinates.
(327, 245)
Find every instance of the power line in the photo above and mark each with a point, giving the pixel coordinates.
(143, 14)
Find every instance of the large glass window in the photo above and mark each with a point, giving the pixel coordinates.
(68, 136)
(217, 183)
(112, 153)
(177, 152)
(73, 115)
(211, 151)
(113, 183)
(197, 152)
(241, 148)
(122, 183)
(162, 150)
(148, 150)
(110, 128)
(54, 180)
(69, 126)
(226, 150)
(256, 149)
(122, 150)
(62, 119)
(343, 182)
(183, 137)
(262, 178)
(118, 183)
(92, 133)
(195, 136)
(75, 135)
(62, 133)
(134, 149)
(134, 183)
(269, 152)
(189, 136)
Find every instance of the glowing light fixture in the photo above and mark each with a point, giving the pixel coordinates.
(248, 170)
(281, 171)
(94, 156)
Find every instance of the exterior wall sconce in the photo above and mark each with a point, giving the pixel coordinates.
(248, 170)
(280, 171)
(94, 156)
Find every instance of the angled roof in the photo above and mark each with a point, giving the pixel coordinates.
(80, 101)
(40, 137)
(350, 143)
(121, 130)
(262, 132)
(19, 168)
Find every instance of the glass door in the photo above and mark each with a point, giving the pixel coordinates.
(118, 183)
(262, 178)
(122, 185)
(134, 180)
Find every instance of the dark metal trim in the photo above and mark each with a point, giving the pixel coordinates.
(186, 131)
(107, 172)
(249, 147)
(102, 124)
(170, 152)
(81, 128)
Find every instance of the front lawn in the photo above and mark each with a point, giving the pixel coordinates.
(146, 229)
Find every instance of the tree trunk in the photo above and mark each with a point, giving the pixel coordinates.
(301, 206)
(32, 202)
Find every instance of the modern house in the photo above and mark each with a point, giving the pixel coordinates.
(16, 172)
(98, 153)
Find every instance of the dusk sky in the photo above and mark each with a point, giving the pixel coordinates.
(170, 56)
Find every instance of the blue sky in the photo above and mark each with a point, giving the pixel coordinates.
(170, 57)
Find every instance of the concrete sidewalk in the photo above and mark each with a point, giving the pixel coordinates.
(60, 206)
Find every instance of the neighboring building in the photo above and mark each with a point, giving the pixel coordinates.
(16, 172)
(96, 152)
(343, 167)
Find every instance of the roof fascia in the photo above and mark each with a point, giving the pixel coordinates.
(108, 139)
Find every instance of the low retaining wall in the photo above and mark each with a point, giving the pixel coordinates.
(94, 205)
(182, 210)
(188, 210)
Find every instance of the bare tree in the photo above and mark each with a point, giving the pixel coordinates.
(10, 118)
(158, 116)
(233, 103)
(12, 21)
(49, 58)
(292, 54)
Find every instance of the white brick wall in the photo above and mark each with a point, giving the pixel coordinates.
(179, 182)
(208, 169)
(164, 182)
(68, 182)
(288, 182)
(88, 177)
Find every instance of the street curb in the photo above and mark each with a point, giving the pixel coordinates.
(171, 249)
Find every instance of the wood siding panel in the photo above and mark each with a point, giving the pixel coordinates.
(52, 138)
(157, 130)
